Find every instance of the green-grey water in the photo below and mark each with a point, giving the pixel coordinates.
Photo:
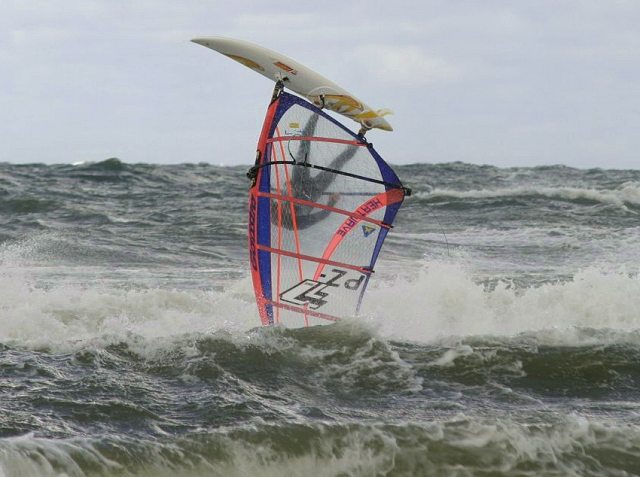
(500, 335)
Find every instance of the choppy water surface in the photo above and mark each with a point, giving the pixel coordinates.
(129, 339)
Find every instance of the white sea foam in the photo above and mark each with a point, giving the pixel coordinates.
(441, 299)
(444, 300)
(627, 193)
(67, 315)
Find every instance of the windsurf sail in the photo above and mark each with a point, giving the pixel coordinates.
(320, 206)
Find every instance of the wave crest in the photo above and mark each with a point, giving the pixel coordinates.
(627, 194)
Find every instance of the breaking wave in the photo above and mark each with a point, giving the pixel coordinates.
(462, 445)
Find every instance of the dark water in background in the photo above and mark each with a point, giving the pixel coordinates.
(129, 341)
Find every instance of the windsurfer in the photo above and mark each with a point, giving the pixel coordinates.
(308, 187)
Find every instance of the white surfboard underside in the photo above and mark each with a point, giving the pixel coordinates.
(298, 78)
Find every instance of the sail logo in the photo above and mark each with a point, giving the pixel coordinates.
(253, 253)
(315, 294)
(364, 210)
(293, 130)
(370, 206)
(368, 230)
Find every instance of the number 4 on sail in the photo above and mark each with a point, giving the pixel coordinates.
(322, 200)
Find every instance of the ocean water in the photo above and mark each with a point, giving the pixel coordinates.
(500, 335)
